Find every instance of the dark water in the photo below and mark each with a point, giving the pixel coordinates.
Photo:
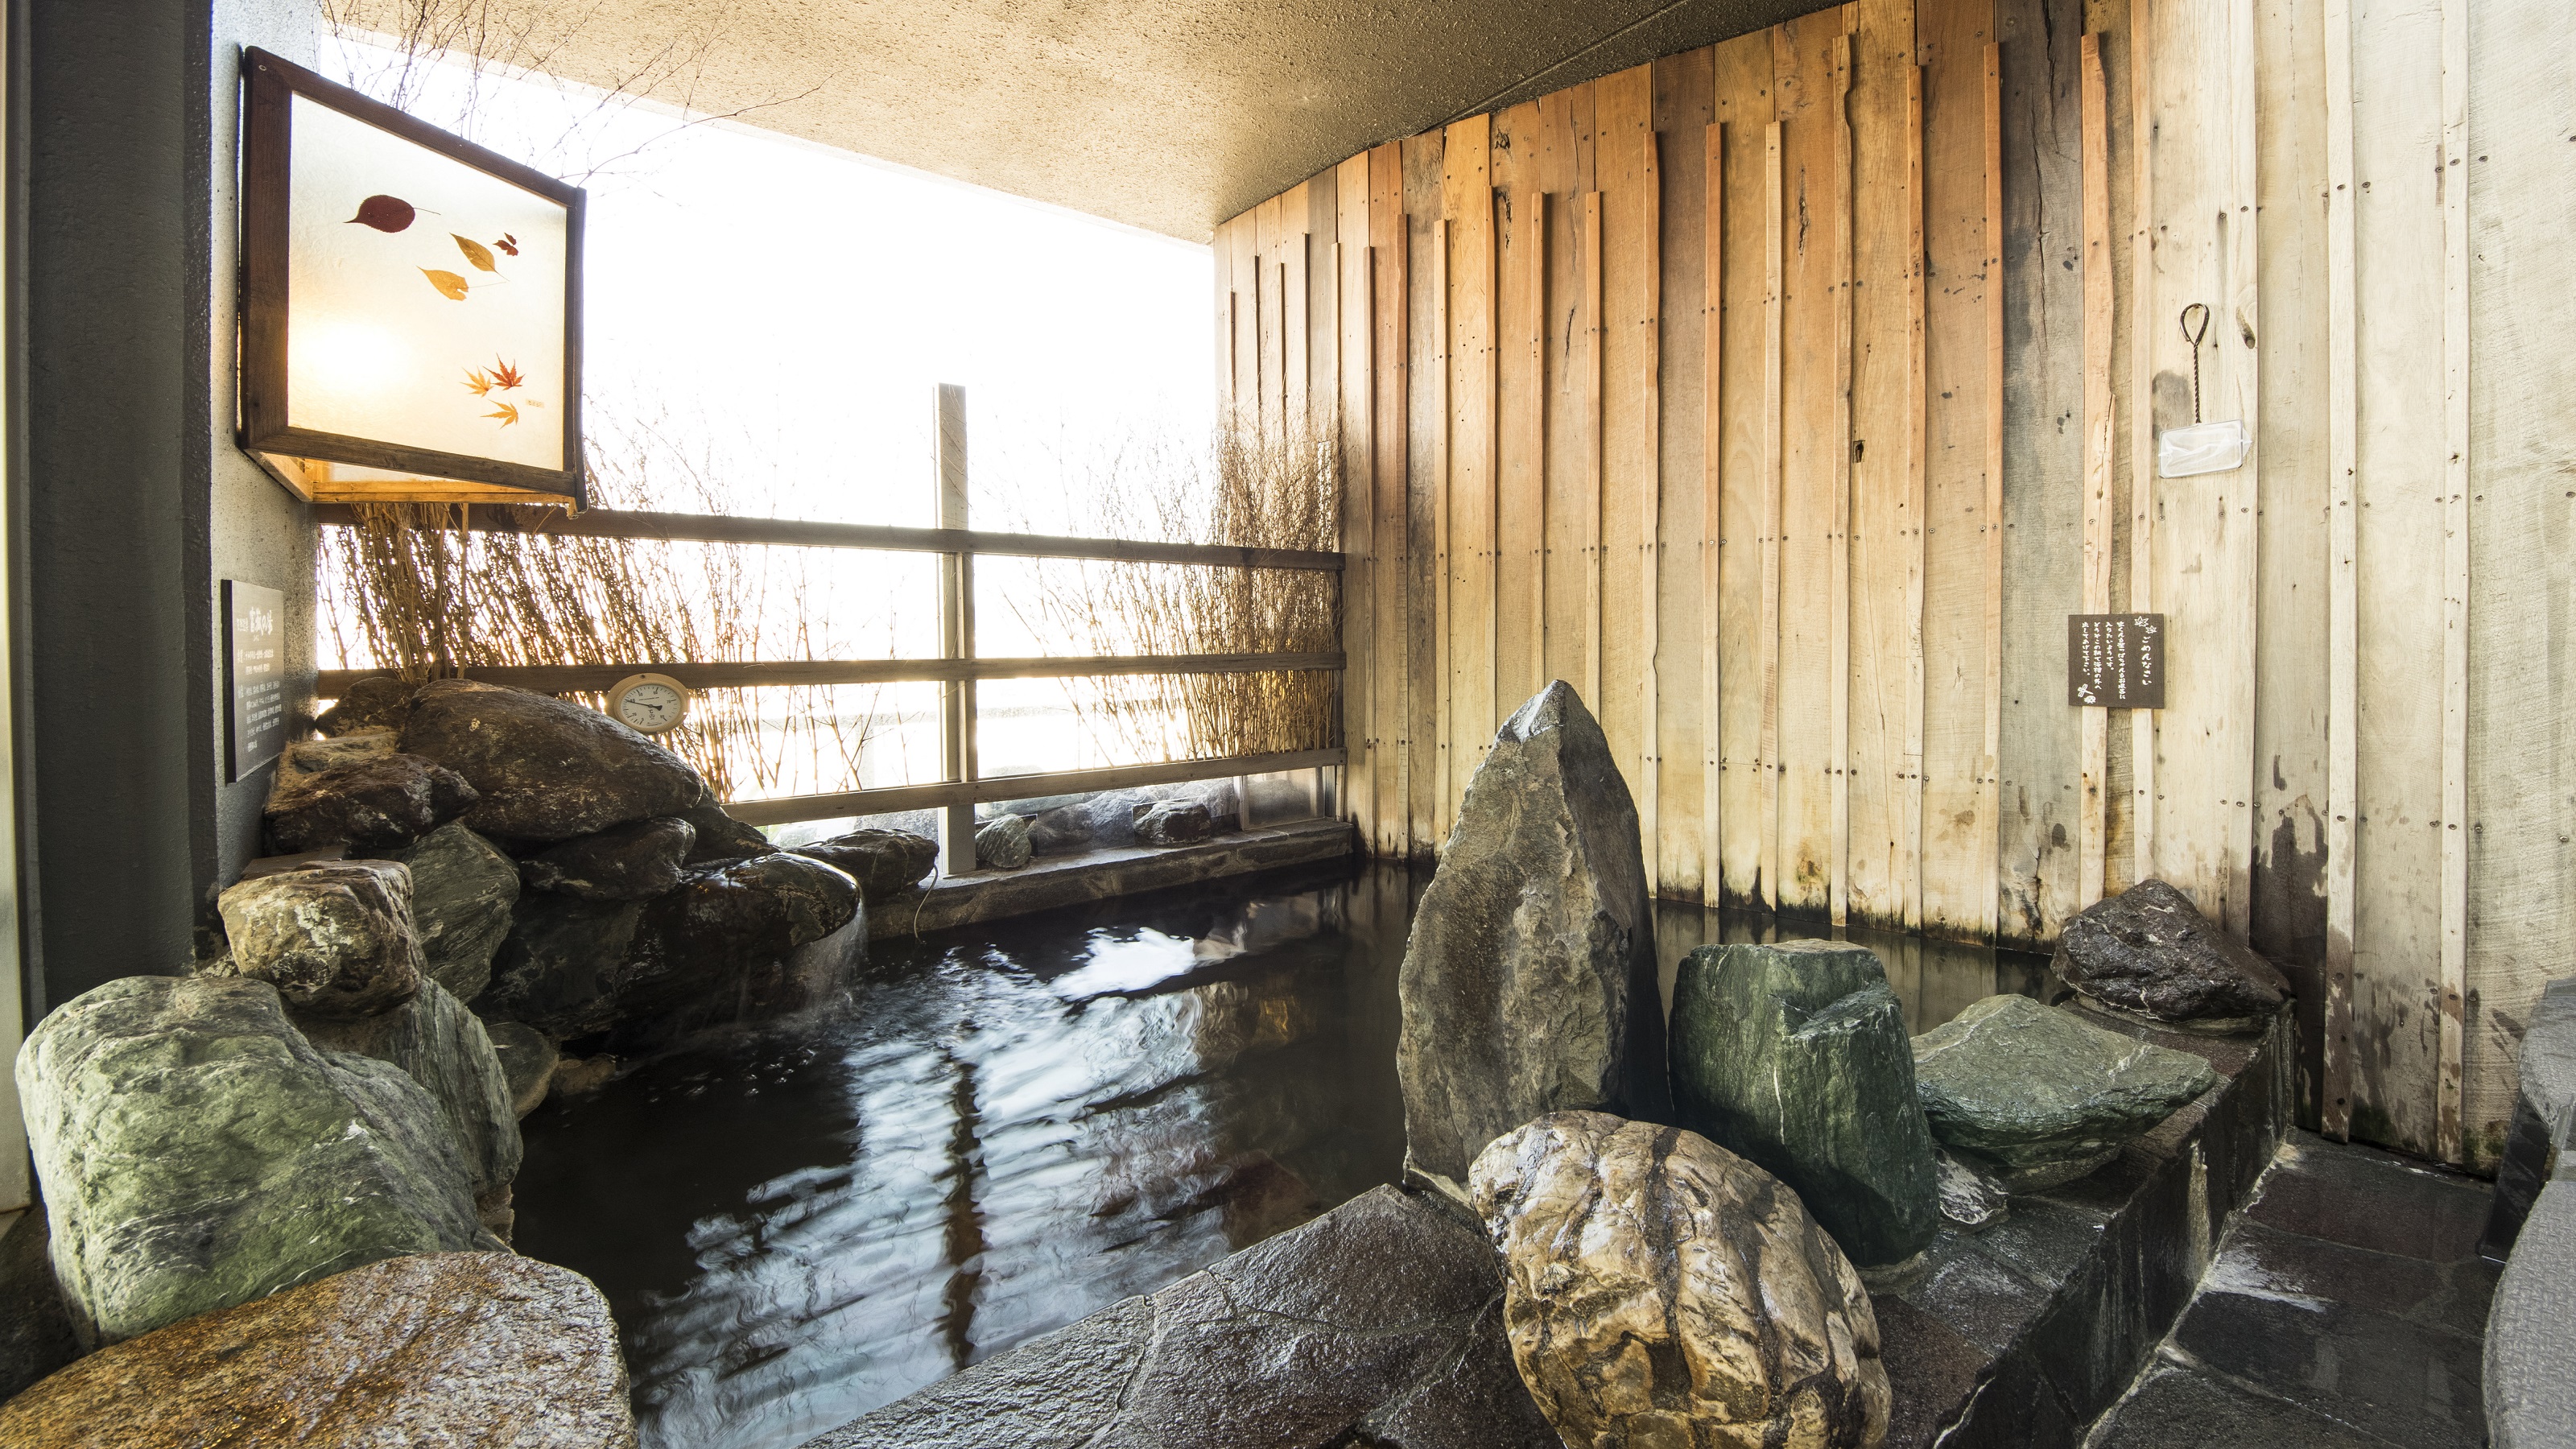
(1011, 1126)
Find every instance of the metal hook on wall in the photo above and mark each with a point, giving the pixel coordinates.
(2192, 332)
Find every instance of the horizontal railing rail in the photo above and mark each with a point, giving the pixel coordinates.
(800, 533)
(894, 799)
(572, 678)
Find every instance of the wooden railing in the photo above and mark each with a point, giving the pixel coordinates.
(957, 668)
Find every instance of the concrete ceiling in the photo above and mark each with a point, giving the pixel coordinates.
(1170, 115)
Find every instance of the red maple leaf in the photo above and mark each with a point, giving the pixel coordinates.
(505, 376)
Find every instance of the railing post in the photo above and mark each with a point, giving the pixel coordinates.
(956, 633)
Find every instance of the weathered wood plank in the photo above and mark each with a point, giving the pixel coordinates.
(1809, 86)
(1355, 447)
(1963, 299)
(1748, 482)
(2401, 625)
(2039, 740)
(1712, 530)
(1631, 475)
(1426, 429)
(1468, 191)
(1773, 482)
(2521, 543)
(1390, 368)
(745, 674)
(2096, 723)
(1883, 553)
(1015, 787)
(2343, 612)
(1682, 104)
(2458, 519)
(1520, 381)
(1566, 173)
(1445, 540)
(2292, 690)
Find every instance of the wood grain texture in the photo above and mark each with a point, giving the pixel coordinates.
(2098, 322)
(2343, 580)
(1683, 105)
(1566, 173)
(1520, 406)
(1773, 481)
(1961, 535)
(1712, 531)
(2039, 736)
(1427, 429)
(1389, 372)
(1748, 480)
(2458, 475)
(2522, 545)
(1883, 552)
(1631, 215)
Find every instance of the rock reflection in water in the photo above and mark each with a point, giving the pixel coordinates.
(1014, 1126)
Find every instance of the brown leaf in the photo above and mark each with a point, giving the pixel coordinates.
(508, 243)
(477, 253)
(506, 413)
(384, 213)
(449, 285)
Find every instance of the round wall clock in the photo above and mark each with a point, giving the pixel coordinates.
(649, 703)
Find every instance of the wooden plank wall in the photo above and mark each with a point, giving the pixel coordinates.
(1772, 393)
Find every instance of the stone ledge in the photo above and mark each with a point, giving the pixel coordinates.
(1071, 880)
(2024, 1333)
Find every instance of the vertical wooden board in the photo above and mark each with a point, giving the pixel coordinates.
(2139, 409)
(2094, 86)
(1295, 269)
(1746, 488)
(1767, 640)
(1269, 346)
(2204, 574)
(2039, 758)
(2522, 543)
(1468, 194)
(1520, 391)
(2397, 866)
(1391, 368)
(1340, 222)
(2333, 1105)
(1808, 85)
(1445, 537)
(1961, 287)
(1624, 119)
(2457, 269)
(1243, 270)
(1426, 428)
(1682, 109)
(2108, 22)
(1886, 545)
(2287, 913)
(1566, 172)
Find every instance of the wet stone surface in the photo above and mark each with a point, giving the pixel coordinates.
(2345, 1308)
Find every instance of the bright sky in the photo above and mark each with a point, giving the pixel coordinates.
(784, 310)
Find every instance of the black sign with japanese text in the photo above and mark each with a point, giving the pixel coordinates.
(2116, 661)
(255, 658)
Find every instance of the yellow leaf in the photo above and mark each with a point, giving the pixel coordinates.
(507, 414)
(476, 383)
(449, 285)
(475, 252)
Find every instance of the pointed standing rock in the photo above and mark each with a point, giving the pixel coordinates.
(1528, 986)
(1796, 1057)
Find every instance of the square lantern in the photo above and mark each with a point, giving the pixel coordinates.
(411, 305)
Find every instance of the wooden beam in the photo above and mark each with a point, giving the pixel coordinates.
(899, 798)
(795, 533)
(1588, 248)
(1535, 228)
(2098, 322)
(2143, 322)
(1650, 512)
(752, 674)
(1774, 464)
(1444, 675)
(2455, 574)
(1838, 544)
(1712, 526)
(1918, 462)
(1994, 515)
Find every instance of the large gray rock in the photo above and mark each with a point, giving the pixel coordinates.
(1660, 1290)
(1174, 822)
(2530, 1383)
(1529, 985)
(528, 1060)
(885, 863)
(373, 803)
(1002, 843)
(545, 769)
(335, 939)
(2544, 1116)
(196, 1152)
(2149, 952)
(632, 862)
(379, 702)
(1795, 1056)
(462, 888)
(442, 1046)
(2042, 1096)
(484, 1349)
(560, 967)
(720, 837)
(1376, 1324)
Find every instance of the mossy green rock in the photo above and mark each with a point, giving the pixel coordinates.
(1795, 1057)
(2043, 1096)
(197, 1152)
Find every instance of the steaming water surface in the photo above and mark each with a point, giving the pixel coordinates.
(1011, 1126)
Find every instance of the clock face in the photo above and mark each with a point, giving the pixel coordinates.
(651, 707)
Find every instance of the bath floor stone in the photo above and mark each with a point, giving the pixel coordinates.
(2344, 1309)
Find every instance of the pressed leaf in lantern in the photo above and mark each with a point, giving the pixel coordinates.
(506, 375)
(506, 413)
(477, 253)
(508, 243)
(476, 383)
(449, 285)
(384, 213)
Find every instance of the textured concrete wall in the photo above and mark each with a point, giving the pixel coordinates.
(134, 504)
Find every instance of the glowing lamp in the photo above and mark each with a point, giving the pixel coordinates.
(411, 305)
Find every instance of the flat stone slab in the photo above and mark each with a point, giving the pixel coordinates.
(1379, 1323)
(1071, 880)
(488, 1349)
(2041, 1095)
(2022, 1333)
